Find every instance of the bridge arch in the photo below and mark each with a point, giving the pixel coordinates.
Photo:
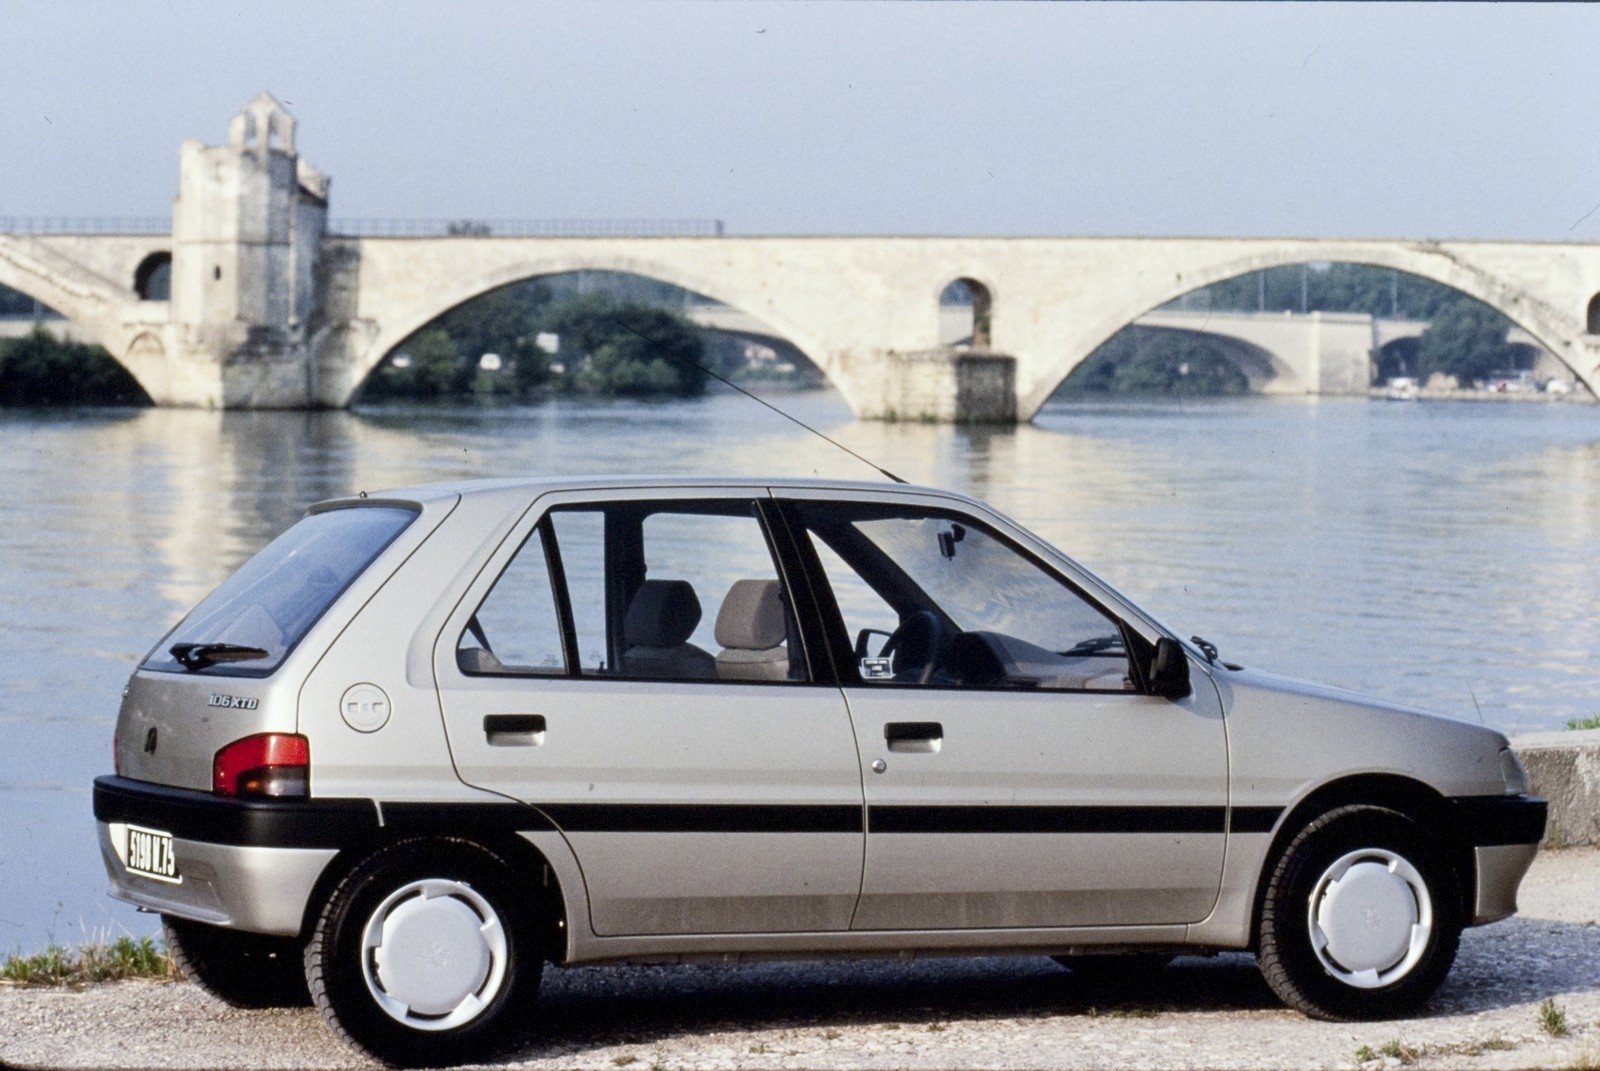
(152, 279)
(980, 299)
(92, 304)
(58, 299)
(413, 317)
(1396, 357)
(1258, 368)
(1593, 317)
(1423, 259)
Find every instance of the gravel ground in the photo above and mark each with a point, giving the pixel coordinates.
(927, 1014)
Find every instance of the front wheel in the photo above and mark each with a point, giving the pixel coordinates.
(1361, 918)
(421, 957)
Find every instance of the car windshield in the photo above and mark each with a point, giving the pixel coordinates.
(249, 624)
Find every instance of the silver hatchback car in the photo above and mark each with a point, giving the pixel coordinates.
(429, 739)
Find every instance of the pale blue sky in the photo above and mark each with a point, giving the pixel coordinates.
(1339, 120)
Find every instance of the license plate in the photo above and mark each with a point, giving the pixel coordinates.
(150, 855)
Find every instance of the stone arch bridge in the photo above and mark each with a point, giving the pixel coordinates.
(270, 310)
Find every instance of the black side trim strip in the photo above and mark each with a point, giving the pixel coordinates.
(1491, 821)
(334, 823)
(293, 823)
(1253, 819)
(1009, 819)
(704, 818)
(456, 818)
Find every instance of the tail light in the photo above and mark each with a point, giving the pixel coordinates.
(267, 764)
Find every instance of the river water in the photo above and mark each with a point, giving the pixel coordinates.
(1443, 554)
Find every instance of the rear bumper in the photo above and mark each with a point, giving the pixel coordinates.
(253, 864)
(246, 864)
(262, 890)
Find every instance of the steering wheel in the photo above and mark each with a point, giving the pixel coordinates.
(915, 646)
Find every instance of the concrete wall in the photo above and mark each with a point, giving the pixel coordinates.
(1564, 768)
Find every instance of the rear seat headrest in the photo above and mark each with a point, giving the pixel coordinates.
(663, 613)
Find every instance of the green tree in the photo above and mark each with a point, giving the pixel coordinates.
(626, 348)
(40, 369)
(1157, 362)
(1335, 287)
(436, 365)
(496, 322)
(530, 366)
(1468, 341)
(600, 333)
(431, 370)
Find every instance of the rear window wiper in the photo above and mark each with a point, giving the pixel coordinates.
(193, 656)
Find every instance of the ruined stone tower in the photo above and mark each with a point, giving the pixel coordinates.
(247, 227)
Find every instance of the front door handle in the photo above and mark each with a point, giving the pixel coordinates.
(514, 730)
(915, 736)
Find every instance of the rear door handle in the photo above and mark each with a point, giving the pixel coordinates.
(514, 730)
(915, 736)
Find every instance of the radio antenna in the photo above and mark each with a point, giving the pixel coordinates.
(725, 381)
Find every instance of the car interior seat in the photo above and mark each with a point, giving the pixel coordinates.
(656, 630)
(753, 633)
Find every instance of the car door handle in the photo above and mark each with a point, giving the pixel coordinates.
(916, 736)
(514, 730)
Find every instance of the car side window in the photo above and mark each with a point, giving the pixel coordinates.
(517, 629)
(953, 604)
(676, 591)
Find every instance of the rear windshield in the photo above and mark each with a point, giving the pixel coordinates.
(249, 624)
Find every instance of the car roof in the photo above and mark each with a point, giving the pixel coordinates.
(534, 486)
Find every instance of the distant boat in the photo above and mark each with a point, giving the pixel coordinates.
(1402, 389)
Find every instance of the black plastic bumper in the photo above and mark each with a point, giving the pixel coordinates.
(1491, 821)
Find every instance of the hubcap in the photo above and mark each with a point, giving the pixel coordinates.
(1370, 917)
(434, 954)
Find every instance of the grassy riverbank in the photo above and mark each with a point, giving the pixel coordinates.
(126, 957)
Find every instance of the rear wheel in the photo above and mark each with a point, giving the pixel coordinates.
(421, 959)
(1362, 917)
(247, 970)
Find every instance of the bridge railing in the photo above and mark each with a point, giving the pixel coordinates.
(527, 228)
(85, 225)
(397, 228)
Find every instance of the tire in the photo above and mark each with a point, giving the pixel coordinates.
(1361, 917)
(1116, 971)
(246, 970)
(421, 958)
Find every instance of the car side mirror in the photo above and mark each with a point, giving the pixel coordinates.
(1169, 670)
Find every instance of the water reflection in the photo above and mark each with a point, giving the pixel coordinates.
(1441, 554)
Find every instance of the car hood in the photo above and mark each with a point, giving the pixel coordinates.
(1296, 686)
